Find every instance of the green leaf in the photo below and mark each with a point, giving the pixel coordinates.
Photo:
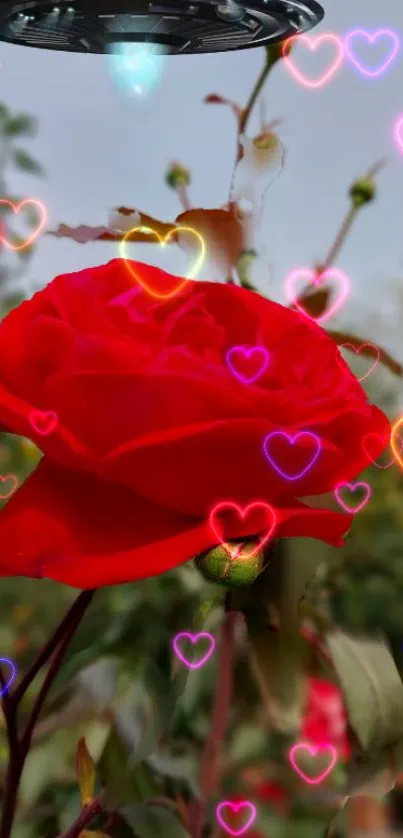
(154, 822)
(24, 251)
(4, 112)
(372, 775)
(21, 125)
(372, 688)
(168, 696)
(26, 163)
(247, 744)
(100, 680)
(124, 782)
(277, 656)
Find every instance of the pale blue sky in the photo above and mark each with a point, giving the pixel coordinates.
(102, 148)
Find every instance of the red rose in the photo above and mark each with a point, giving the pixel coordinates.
(325, 720)
(154, 428)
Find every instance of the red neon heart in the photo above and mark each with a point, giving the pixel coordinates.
(43, 421)
(217, 526)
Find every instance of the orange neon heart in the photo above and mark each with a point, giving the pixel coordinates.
(163, 241)
(395, 439)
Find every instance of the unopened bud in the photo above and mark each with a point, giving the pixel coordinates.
(266, 140)
(234, 565)
(177, 176)
(362, 191)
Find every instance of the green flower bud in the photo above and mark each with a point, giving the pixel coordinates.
(177, 176)
(234, 571)
(362, 191)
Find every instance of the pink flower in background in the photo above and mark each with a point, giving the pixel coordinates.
(325, 719)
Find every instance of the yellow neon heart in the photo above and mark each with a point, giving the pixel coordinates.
(163, 241)
(395, 433)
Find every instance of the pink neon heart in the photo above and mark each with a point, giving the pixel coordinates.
(43, 421)
(307, 274)
(12, 481)
(244, 804)
(217, 526)
(313, 751)
(357, 350)
(194, 638)
(248, 363)
(372, 37)
(352, 487)
(313, 44)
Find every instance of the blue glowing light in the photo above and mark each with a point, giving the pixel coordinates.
(137, 67)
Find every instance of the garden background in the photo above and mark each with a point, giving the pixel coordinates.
(99, 149)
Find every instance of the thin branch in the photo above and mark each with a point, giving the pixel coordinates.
(348, 222)
(210, 763)
(340, 238)
(49, 678)
(57, 645)
(254, 95)
(85, 817)
(183, 196)
(246, 113)
(79, 607)
(9, 713)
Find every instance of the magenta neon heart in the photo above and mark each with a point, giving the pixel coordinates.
(292, 440)
(236, 807)
(313, 751)
(352, 487)
(257, 358)
(194, 638)
(372, 37)
(308, 275)
(12, 676)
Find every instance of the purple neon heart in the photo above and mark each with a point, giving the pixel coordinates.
(12, 676)
(371, 38)
(247, 353)
(292, 440)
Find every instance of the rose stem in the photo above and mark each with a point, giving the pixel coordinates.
(19, 747)
(85, 817)
(246, 112)
(347, 224)
(210, 768)
(183, 196)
